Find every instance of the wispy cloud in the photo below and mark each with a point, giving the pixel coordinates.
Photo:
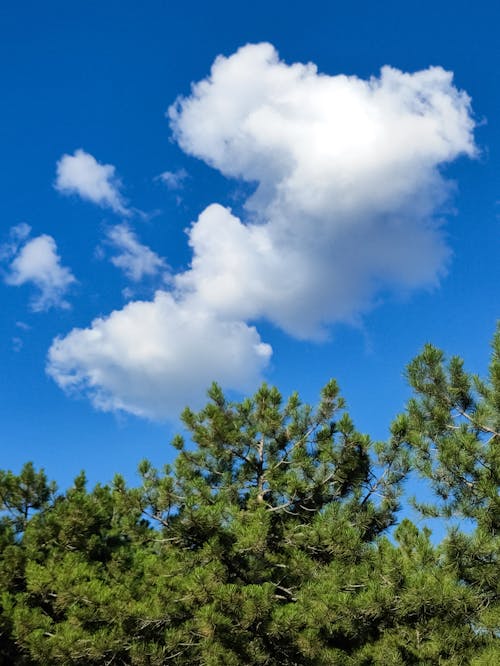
(83, 175)
(136, 260)
(36, 261)
(17, 235)
(348, 188)
(174, 180)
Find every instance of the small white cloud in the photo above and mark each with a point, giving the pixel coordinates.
(37, 262)
(154, 358)
(174, 180)
(17, 340)
(83, 175)
(133, 258)
(17, 344)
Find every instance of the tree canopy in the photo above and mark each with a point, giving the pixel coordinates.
(279, 536)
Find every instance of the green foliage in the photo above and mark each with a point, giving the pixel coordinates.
(453, 426)
(453, 429)
(268, 540)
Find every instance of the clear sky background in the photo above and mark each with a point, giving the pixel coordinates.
(295, 224)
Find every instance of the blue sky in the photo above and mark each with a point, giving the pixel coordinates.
(297, 222)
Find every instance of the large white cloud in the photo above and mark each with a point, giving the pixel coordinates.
(347, 184)
(347, 198)
(83, 175)
(154, 358)
(36, 261)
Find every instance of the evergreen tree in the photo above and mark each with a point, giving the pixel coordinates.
(268, 540)
(21, 496)
(453, 428)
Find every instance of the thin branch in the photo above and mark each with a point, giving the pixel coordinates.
(479, 426)
(299, 442)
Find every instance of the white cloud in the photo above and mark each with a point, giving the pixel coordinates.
(154, 358)
(173, 179)
(37, 262)
(347, 184)
(133, 258)
(83, 175)
(348, 190)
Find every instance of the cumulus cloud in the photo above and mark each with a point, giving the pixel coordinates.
(154, 358)
(347, 183)
(132, 257)
(174, 180)
(348, 190)
(37, 262)
(83, 175)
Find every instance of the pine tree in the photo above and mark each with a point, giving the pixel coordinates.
(270, 497)
(453, 428)
(20, 497)
(269, 540)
